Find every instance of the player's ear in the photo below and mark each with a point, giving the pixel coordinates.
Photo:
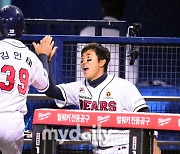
(102, 62)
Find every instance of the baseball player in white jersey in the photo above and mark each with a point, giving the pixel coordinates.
(100, 91)
(19, 68)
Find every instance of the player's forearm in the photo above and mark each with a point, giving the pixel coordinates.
(53, 91)
(44, 59)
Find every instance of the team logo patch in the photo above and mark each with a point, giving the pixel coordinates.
(81, 90)
(108, 94)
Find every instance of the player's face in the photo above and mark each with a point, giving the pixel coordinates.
(91, 67)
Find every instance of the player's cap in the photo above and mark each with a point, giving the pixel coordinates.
(11, 21)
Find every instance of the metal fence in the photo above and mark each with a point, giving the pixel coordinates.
(152, 63)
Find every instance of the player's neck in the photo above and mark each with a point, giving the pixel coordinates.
(96, 82)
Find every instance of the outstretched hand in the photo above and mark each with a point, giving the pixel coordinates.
(46, 46)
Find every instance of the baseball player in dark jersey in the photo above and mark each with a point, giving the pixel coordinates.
(19, 68)
(99, 91)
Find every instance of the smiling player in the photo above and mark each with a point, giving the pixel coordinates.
(99, 91)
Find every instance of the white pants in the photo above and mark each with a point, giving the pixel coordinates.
(11, 132)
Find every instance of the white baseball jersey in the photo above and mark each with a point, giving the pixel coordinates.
(19, 68)
(113, 94)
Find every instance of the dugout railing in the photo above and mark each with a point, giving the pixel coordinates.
(71, 27)
(50, 125)
(158, 72)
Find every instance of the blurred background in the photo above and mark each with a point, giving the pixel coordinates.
(158, 17)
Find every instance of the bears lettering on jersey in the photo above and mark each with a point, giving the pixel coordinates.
(102, 105)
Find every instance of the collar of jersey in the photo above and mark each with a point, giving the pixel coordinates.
(14, 42)
(97, 81)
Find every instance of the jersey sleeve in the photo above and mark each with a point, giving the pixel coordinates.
(39, 80)
(133, 100)
(70, 94)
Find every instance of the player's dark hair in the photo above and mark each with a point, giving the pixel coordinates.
(101, 52)
(113, 8)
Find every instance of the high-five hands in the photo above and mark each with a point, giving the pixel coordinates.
(46, 46)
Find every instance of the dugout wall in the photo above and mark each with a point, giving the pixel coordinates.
(158, 72)
(71, 27)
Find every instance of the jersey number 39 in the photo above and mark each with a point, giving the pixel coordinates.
(9, 84)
